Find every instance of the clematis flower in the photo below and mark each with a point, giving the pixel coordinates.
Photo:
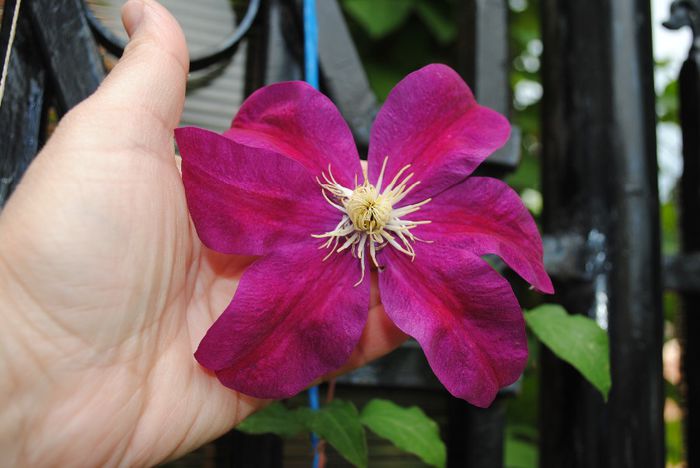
(285, 184)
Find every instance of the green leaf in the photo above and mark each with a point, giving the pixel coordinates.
(674, 442)
(383, 77)
(379, 17)
(339, 423)
(669, 228)
(443, 27)
(520, 446)
(577, 340)
(408, 428)
(667, 106)
(520, 454)
(275, 419)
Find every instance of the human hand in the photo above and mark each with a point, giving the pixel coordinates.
(105, 288)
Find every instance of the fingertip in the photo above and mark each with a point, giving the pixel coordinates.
(146, 88)
(132, 14)
(148, 20)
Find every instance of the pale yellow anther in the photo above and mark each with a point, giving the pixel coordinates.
(368, 210)
(370, 216)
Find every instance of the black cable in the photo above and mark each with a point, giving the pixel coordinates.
(226, 49)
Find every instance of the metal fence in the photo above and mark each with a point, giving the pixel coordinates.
(601, 211)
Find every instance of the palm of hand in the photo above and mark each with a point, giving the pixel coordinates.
(123, 293)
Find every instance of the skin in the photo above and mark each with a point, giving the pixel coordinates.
(105, 288)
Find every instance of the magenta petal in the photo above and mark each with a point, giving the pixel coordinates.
(293, 319)
(464, 315)
(486, 216)
(431, 120)
(297, 121)
(246, 200)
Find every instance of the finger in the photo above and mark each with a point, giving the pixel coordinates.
(374, 298)
(145, 91)
(153, 70)
(379, 337)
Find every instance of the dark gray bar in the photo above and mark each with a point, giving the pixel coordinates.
(599, 181)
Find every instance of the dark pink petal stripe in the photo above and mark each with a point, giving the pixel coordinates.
(293, 319)
(431, 120)
(297, 121)
(247, 200)
(463, 314)
(486, 216)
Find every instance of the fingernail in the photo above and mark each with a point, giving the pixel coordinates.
(132, 15)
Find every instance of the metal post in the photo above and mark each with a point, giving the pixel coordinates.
(475, 435)
(599, 181)
(685, 268)
(636, 320)
(22, 106)
(343, 74)
(689, 82)
(68, 48)
(251, 451)
(483, 62)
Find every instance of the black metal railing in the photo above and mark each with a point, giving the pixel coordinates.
(687, 13)
(599, 173)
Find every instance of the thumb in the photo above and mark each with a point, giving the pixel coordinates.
(133, 111)
(147, 86)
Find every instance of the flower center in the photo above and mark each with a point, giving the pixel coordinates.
(371, 216)
(368, 210)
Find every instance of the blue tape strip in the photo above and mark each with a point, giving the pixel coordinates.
(315, 405)
(310, 43)
(311, 74)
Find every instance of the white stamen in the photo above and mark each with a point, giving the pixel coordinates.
(381, 176)
(369, 215)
